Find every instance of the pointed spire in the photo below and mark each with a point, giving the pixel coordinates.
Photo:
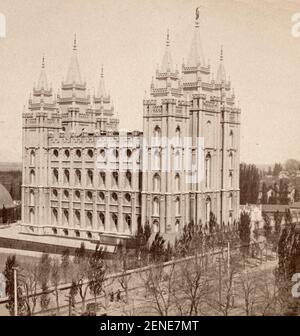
(221, 74)
(167, 63)
(73, 75)
(43, 83)
(196, 55)
(101, 89)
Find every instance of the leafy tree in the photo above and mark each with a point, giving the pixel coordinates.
(65, 264)
(249, 183)
(244, 228)
(277, 169)
(80, 253)
(157, 249)
(55, 280)
(10, 264)
(96, 272)
(267, 226)
(291, 165)
(44, 271)
(288, 265)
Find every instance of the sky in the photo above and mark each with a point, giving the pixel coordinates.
(261, 57)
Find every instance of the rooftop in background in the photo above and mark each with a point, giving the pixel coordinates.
(5, 198)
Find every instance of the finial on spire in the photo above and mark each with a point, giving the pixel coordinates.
(221, 54)
(43, 62)
(168, 38)
(102, 71)
(197, 16)
(75, 43)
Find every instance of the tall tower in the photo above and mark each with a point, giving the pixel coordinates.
(104, 108)
(165, 123)
(41, 119)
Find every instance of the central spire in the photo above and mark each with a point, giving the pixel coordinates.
(73, 75)
(101, 89)
(221, 74)
(196, 55)
(167, 63)
(43, 83)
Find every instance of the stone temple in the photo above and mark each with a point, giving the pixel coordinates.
(83, 179)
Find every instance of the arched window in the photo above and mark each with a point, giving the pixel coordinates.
(89, 219)
(128, 222)
(77, 233)
(77, 217)
(32, 177)
(208, 135)
(78, 153)
(31, 196)
(90, 178)
(127, 198)
(65, 217)
(230, 202)
(101, 196)
(77, 177)
(31, 216)
(102, 219)
(67, 153)
(115, 179)
(55, 153)
(102, 179)
(32, 158)
(156, 183)
(155, 226)
(102, 154)
(177, 226)
(90, 154)
(66, 195)
(157, 159)
(157, 136)
(230, 180)
(177, 160)
(54, 193)
(77, 195)
(66, 177)
(89, 196)
(208, 209)
(128, 153)
(177, 183)
(114, 197)
(177, 206)
(128, 179)
(231, 139)
(177, 136)
(54, 217)
(208, 171)
(155, 207)
(115, 221)
(231, 160)
(55, 176)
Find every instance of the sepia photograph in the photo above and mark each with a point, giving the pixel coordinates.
(149, 161)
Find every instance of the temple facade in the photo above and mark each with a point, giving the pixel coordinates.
(84, 179)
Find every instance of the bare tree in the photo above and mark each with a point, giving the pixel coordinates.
(159, 283)
(55, 280)
(30, 286)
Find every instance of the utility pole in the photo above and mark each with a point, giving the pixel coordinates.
(15, 291)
